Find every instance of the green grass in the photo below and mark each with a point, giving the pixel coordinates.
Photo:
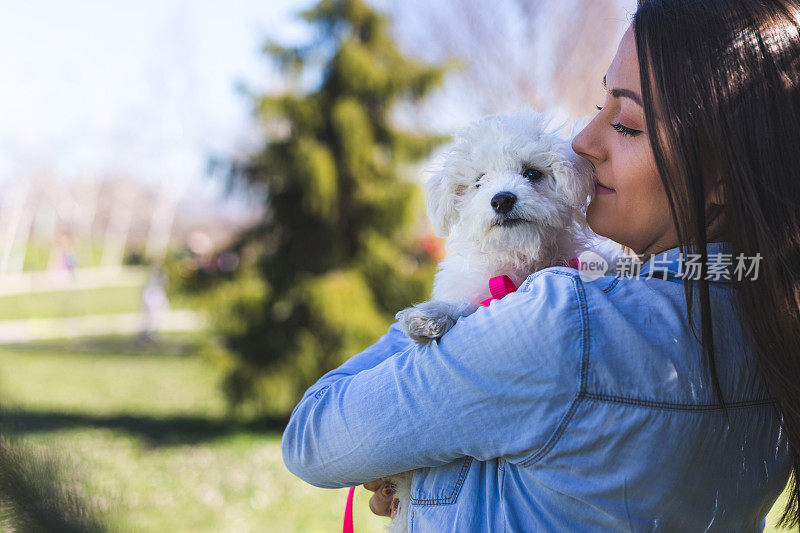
(775, 514)
(38, 255)
(146, 434)
(144, 431)
(70, 303)
(59, 304)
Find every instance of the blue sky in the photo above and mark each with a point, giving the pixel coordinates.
(147, 88)
(95, 85)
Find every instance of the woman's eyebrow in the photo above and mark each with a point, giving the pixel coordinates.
(617, 93)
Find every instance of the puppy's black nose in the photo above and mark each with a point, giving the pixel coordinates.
(502, 202)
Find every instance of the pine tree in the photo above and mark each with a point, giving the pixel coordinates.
(335, 256)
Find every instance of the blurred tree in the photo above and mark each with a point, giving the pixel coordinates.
(336, 255)
(537, 52)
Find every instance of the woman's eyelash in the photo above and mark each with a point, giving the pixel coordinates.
(625, 130)
(620, 128)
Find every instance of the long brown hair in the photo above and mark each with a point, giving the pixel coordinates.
(721, 91)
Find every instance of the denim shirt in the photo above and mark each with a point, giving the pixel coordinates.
(569, 405)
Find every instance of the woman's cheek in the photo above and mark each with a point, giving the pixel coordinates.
(602, 216)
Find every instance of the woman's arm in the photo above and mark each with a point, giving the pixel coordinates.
(392, 342)
(496, 385)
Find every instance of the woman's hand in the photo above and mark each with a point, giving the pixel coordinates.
(383, 502)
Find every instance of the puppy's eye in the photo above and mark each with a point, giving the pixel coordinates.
(531, 173)
(478, 181)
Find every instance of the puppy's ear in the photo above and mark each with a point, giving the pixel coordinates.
(574, 176)
(440, 202)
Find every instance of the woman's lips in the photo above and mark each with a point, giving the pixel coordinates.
(602, 189)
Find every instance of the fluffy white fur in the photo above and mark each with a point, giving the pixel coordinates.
(545, 226)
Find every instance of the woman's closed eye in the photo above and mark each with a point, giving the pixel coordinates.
(623, 130)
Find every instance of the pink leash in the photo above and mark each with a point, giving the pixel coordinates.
(348, 511)
(499, 286)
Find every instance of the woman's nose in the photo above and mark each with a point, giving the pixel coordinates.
(586, 144)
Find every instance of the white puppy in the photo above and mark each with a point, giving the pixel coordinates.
(510, 197)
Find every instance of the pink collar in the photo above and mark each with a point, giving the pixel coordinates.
(499, 286)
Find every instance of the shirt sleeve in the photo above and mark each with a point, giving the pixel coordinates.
(496, 385)
(392, 342)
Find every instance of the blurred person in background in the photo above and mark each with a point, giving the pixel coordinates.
(154, 301)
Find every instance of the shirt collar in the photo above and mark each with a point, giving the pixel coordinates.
(674, 263)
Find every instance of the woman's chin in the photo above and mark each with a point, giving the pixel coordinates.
(598, 221)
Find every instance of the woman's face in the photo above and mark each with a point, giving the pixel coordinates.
(632, 209)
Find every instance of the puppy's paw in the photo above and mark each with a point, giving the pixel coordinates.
(421, 327)
(427, 321)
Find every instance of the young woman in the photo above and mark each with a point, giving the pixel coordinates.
(611, 405)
